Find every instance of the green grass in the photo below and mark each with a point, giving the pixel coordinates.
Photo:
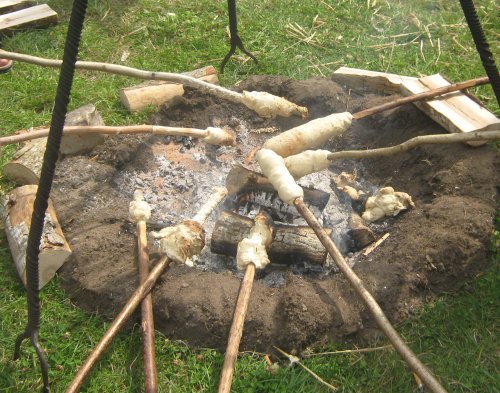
(455, 336)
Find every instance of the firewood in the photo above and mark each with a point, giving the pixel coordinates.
(16, 211)
(27, 162)
(290, 243)
(38, 16)
(14, 5)
(456, 112)
(156, 93)
(359, 232)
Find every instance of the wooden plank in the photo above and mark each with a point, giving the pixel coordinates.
(454, 111)
(37, 16)
(370, 81)
(14, 5)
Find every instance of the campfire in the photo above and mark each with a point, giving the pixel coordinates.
(405, 249)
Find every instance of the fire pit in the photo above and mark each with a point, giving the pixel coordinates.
(295, 302)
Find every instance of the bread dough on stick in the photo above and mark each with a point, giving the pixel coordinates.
(307, 162)
(273, 167)
(310, 135)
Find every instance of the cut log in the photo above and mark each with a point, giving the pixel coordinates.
(455, 111)
(27, 162)
(370, 81)
(37, 16)
(361, 235)
(290, 243)
(86, 115)
(156, 93)
(16, 210)
(14, 5)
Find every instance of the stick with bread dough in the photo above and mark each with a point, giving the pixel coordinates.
(310, 135)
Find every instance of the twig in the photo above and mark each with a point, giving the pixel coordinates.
(373, 246)
(384, 324)
(295, 360)
(417, 141)
(361, 350)
(120, 320)
(422, 96)
(228, 138)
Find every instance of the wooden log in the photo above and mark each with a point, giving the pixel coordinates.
(156, 93)
(37, 16)
(290, 243)
(27, 162)
(455, 111)
(361, 235)
(16, 210)
(86, 115)
(14, 5)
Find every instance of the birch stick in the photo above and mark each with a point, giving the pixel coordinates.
(265, 104)
(211, 135)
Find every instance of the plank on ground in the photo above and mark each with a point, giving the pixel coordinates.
(14, 5)
(38, 16)
(455, 111)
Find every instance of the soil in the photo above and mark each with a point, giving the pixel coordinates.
(432, 249)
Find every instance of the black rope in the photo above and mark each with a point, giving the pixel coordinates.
(235, 40)
(482, 45)
(46, 177)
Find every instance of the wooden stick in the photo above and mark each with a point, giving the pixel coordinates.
(360, 350)
(265, 104)
(384, 324)
(125, 314)
(236, 329)
(148, 332)
(422, 96)
(417, 141)
(114, 130)
(132, 72)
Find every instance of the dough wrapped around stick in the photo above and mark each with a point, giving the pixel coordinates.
(307, 162)
(310, 135)
(269, 105)
(273, 167)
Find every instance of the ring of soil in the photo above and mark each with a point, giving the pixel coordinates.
(431, 249)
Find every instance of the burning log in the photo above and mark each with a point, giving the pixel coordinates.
(289, 243)
(16, 211)
(136, 98)
(243, 182)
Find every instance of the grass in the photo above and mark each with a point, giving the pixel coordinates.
(455, 336)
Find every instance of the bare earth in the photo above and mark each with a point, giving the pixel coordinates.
(432, 249)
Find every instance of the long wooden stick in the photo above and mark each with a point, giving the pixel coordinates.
(236, 329)
(148, 330)
(384, 324)
(417, 141)
(113, 130)
(422, 96)
(129, 71)
(134, 301)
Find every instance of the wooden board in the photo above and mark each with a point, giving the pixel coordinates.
(37, 16)
(14, 5)
(455, 111)
(370, 81)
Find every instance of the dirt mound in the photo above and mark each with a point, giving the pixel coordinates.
(430, 250)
